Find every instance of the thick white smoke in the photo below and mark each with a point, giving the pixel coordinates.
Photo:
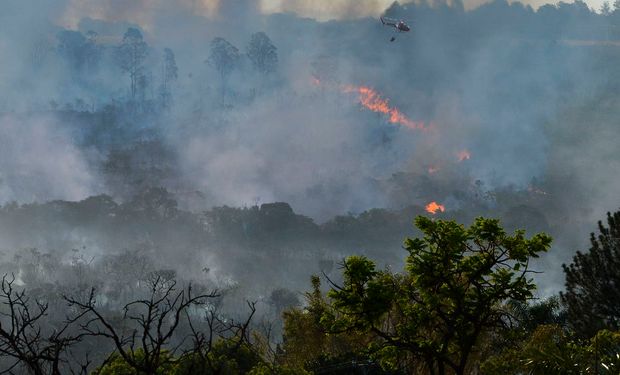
(39, 163)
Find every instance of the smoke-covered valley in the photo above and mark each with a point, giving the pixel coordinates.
(133, 140)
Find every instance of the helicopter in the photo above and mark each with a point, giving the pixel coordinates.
(399, 25)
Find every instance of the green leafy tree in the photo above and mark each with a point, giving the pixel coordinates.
(531, 324)
(264, 369)
(308, 346)
(547, 350)
(117, 365)
(451, 294)
(592, 295)
(225, 356)
(529, 316)
(551, 349)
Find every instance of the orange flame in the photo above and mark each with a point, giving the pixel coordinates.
(315, 81)
(371, 100)
(433, 170)
(433, 207)
(463, 155)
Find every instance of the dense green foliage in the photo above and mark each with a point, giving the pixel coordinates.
(451, 294)
(463, 304)
(551, 350)
(592, 295)
(165, 144)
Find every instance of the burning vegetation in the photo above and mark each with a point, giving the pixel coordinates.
(434, 207)
(372, 100)
(155, 271)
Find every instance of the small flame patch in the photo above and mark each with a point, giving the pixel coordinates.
(434, 207)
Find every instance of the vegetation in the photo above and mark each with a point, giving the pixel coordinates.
(463, 304)
(449, 297)
(592, 297)
(152, 278)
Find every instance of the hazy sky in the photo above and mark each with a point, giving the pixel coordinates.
(142, 11)
(325, 9)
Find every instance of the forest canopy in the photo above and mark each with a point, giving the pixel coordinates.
(227, 187)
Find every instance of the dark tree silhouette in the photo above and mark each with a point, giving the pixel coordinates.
(28, 339)
(131, 54)
(224, 57)
(72, 46)
(219, 341)
(152, 323)
(592, 295)
(282, 299)
(170, 73)
(262, 53)
(530, 316)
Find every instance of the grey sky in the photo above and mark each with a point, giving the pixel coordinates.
(143, 11)
(325, 9)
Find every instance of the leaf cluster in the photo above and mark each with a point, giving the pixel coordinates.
(452, 292)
